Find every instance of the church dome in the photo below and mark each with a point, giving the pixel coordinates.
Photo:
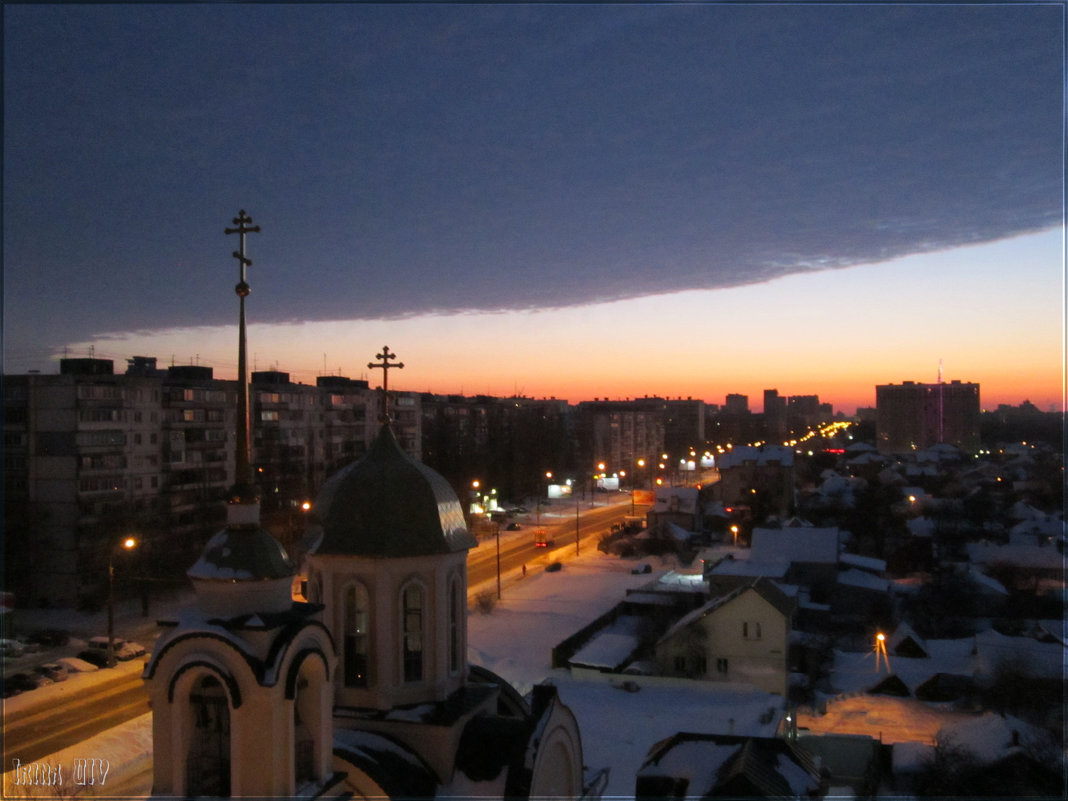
(389, 505)
(243, 569)
(243, 554)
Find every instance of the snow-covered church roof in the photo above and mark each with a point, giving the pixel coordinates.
(389, 505)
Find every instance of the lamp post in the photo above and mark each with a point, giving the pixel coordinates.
(576, 527)
(498, 561)
(129, 543)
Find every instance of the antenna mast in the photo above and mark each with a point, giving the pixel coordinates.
(941, 407)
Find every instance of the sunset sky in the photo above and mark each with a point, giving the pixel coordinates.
(557, 200)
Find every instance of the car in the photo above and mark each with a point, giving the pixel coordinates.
(53, 670)
(124, 649)
(94, 657)
(22, 682)
(554, 567)
(642, 569)
(49, 638)
(75, 665)
(513, 527)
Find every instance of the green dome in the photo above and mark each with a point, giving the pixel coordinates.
(389, 505)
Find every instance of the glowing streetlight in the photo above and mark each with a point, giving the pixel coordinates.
(128, 544)
(880, 651)
(734, 531)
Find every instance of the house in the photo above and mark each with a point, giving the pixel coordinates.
(740, 637)
(706, 765)
(674, 505)
(760, 477)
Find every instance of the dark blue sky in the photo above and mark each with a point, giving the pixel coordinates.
(409, 158)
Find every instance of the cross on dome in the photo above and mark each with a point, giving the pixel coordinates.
(385, 358)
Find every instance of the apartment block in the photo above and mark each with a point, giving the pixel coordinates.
(912, 416)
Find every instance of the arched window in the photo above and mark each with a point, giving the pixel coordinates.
(208, 760)
(455, 610)
(356, 646)
(412, 600)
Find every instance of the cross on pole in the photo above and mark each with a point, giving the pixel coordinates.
(384, 364)
(242, 221)
(243, 487)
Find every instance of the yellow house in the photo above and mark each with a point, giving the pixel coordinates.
(739, 637)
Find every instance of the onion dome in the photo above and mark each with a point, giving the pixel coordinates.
(243, 569)
(387, 504)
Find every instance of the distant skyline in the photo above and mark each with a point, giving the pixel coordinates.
(557, 200)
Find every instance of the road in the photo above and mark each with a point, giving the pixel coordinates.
(35, 733)
(517, 547)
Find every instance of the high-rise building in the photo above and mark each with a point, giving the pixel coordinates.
(912, 416)
(90, 455)
(775, 415)
(736, 404)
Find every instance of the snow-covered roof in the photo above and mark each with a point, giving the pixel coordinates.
(763, 455)
(818, 545)
(921, 527)
(978, 656)
(863, 580)
(1033, 556)
(869, 563)
(991, 737)
(608, 650)
(985, 583)
(750, 567)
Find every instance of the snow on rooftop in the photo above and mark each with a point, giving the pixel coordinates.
(619, 728)
(863, 562)
(795, 545)
(750, 567)
(863, 580)
(1033, 556)
(607, 650)
(991, 737)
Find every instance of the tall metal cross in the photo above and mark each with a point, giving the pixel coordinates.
(385, 357)
(243, 488)
(242, 221)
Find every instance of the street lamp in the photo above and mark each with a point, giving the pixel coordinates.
(498, 560)
(880, 651)
(128, 543)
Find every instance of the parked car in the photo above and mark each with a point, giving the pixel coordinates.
(49, 638)
(642, 569)
(554, 567)
(53, 671)
(22, 682)
(124, 649)
(75, 665)
(94, 657)
(11, 648)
